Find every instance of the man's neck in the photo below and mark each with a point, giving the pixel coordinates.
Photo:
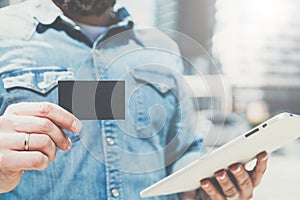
(106, 19)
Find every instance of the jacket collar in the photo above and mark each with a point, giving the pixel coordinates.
(46, 11)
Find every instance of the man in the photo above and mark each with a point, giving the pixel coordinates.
(45, 41)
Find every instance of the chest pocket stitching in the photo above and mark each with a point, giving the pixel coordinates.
(41, 79)
(163, 83)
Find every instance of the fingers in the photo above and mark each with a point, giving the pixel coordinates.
(44, 144)
(37, 142)
(241, 187)
(31, 124)
(244, 182)
(211, 190)
(51, 111)
(225, 183)
(260, 168)
(23, 160)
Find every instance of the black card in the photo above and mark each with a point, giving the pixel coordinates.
(93, 100)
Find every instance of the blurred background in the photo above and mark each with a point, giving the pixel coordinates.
(255, 45)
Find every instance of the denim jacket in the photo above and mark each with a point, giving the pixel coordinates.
(110, 159)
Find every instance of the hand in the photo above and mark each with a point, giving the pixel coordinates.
(243, 184)
(44, 122)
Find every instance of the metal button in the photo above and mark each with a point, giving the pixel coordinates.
(115, 193)
(77, 28)
(110, 141)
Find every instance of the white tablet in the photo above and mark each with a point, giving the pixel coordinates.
(268, 137)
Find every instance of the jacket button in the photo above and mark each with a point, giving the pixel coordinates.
(115, 193)
(110, 141)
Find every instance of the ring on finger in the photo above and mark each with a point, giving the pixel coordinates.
(26, 142)
(235, 196)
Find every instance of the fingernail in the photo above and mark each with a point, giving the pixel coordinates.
(265, 157)
(221, 175)
(204, 184)
(236, 169)
(77, 125)
(69, 144)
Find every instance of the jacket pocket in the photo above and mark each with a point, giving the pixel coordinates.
(38, 79)
(161, 82)
(154, 97)
(31, 84)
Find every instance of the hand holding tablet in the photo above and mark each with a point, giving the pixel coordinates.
(267, 137)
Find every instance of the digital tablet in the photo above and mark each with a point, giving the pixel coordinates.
(268, 137)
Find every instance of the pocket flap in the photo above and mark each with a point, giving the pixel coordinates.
(161, 81)
(38, 79)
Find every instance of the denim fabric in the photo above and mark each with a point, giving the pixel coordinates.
(109, 159)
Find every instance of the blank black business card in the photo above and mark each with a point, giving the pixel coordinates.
(93, 100)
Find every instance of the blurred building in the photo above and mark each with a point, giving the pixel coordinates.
(258, 45)
(194, 18)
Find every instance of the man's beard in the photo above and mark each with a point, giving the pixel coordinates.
(86, 7)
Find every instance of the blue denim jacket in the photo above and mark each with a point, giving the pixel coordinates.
(109, 159)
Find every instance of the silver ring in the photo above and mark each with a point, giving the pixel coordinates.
(26, 142)
(235, 196)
